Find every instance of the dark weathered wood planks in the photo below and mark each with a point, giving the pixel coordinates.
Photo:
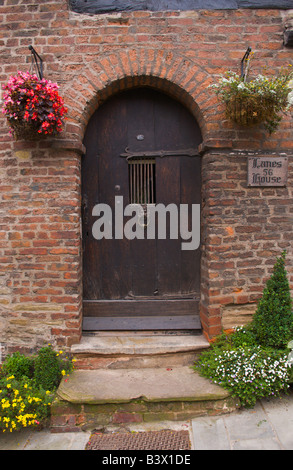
(141, 120)
(108, 6)
(149, 308)
(187, 322)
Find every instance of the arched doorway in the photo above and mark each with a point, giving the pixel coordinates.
(141, 152)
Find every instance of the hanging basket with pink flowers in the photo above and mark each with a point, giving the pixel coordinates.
(33, 107)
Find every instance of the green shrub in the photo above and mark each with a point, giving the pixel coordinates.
(241, 336)
(49, 367)
(18, 365)
(273, 319)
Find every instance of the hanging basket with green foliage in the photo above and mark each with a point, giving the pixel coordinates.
(256, 101)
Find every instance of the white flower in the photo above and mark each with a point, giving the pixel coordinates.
(290, 98)
(290, 358)
(241, 86)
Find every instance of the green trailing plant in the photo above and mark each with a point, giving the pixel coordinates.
(273, 319)
(258, 100)
(249, 373)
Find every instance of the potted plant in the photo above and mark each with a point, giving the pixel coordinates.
(260, 100)
(33, 107)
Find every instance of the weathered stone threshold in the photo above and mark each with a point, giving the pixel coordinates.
(135, 379)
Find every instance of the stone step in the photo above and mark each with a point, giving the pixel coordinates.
(89, 399)
(137, 351)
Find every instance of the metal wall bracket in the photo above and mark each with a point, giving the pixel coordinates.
(244, 63)
(37, 62)
(288, 38)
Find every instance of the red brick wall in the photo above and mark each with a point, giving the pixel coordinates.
(91, 57)
(244, 230)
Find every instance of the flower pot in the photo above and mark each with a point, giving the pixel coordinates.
(25, 131)
(28, 131)
(250, 110)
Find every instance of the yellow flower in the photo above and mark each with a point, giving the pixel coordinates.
(5, 404)
(63, 372)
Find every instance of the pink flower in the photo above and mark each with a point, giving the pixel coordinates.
(26, 98)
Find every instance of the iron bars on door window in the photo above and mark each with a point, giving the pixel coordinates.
(142, 180)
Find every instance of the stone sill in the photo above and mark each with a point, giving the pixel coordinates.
(66, 144)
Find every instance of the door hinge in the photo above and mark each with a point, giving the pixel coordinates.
(160, 153)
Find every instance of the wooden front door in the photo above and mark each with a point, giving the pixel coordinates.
(141, 148)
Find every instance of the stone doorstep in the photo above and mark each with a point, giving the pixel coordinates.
(122, 379)
(139, 344)
(132, 351)
(116, 386)
(90, 398)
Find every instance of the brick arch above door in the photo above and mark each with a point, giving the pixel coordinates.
(169, 72)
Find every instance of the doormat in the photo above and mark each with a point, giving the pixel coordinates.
(151, 440)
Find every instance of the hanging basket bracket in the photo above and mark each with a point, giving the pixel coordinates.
(244, 62)
(37, 62)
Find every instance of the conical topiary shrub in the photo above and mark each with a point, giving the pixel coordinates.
(273, 319)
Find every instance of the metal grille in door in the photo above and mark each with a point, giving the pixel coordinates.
(142, 181)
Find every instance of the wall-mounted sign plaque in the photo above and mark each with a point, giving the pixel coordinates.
(267, 171)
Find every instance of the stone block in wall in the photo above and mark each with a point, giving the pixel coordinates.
(237, 315)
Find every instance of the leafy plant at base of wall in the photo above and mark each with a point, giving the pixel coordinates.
(49, 368)
(273, 319)
(252, 362)
(290, 361)
(22, 403)
(249, 371)
(256, 101)
(18, 365)
(27, 386)
(33, 107)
